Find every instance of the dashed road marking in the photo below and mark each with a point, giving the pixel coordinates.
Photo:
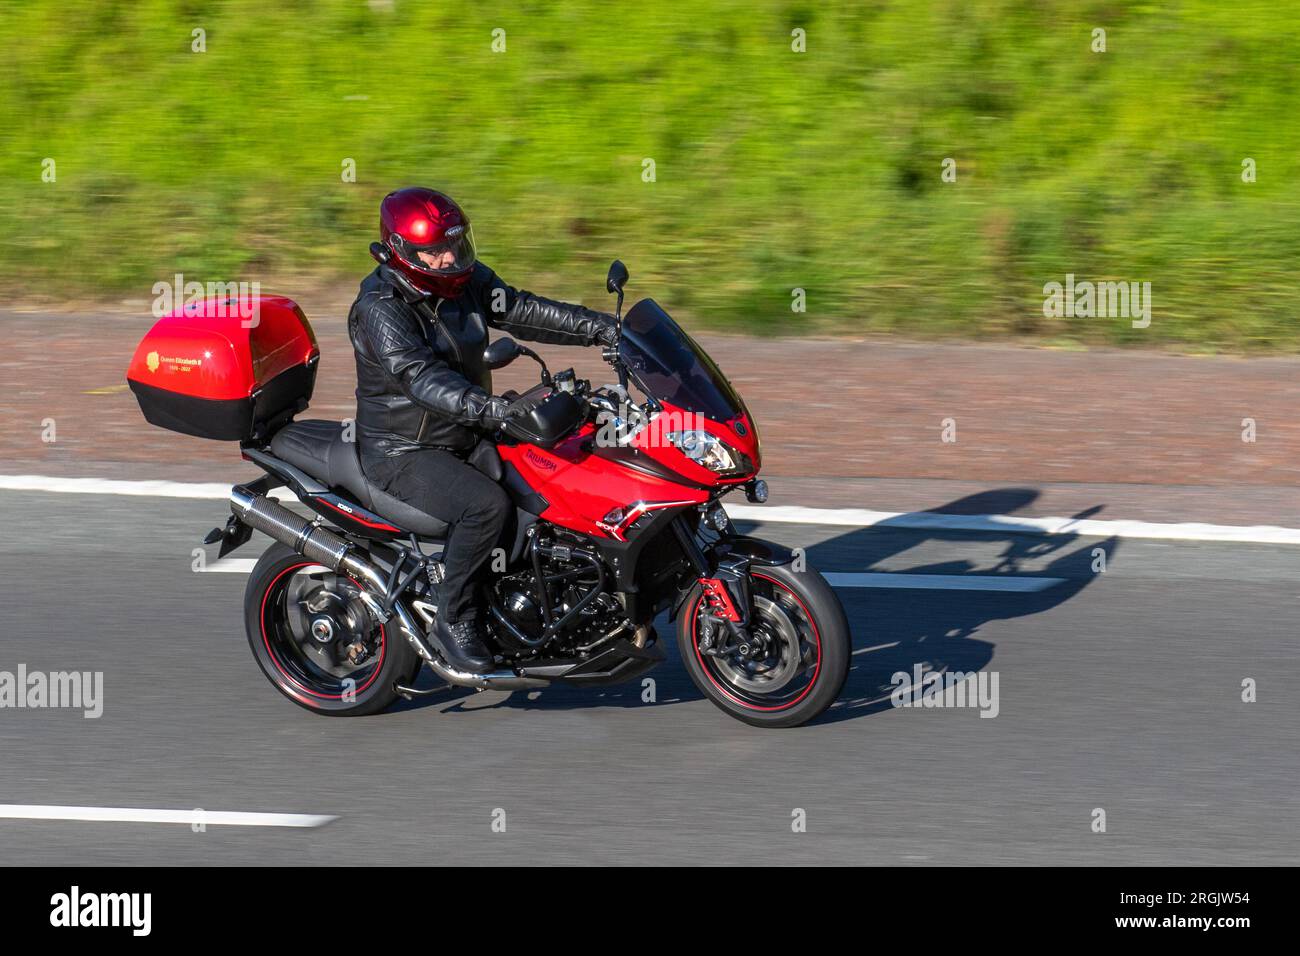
(939, 582)
(230, 566)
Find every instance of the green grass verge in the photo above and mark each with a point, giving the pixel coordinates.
(774, 170)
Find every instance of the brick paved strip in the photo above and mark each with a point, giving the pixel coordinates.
(1140, 435)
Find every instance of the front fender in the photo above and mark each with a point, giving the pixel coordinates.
(756, 549)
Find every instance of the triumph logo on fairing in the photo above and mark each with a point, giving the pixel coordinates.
(538, 460)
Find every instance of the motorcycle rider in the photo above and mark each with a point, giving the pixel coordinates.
(424, 399)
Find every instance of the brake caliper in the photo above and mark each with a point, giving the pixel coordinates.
(718, 601)
(726, 603)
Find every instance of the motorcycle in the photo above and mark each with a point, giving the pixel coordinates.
(618, 518)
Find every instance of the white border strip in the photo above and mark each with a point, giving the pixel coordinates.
(838, 517)
(218, 818)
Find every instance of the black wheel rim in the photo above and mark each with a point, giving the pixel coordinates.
(779, 673)
(319, 635)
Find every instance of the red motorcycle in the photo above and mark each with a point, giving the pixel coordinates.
(618, 518)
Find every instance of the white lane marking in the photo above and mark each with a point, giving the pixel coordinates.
(839, 579)
(1014, 524)
(113, 486)
(838, 517)
(220, 818)
(939, 582)
(230, 566)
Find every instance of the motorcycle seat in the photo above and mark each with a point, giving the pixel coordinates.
(317, 447)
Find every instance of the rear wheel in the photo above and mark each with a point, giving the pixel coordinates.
(794, 661)
(317, 642)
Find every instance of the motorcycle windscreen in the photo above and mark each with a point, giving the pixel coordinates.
(673, 367)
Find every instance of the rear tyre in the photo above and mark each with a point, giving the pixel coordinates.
(317, 642)
(797, 661)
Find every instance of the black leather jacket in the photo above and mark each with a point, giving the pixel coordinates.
(421, 379)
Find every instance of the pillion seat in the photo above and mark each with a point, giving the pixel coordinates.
(317, 447)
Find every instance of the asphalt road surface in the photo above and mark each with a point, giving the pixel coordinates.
(1119, 690)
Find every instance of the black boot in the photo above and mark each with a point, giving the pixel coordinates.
(462, 647)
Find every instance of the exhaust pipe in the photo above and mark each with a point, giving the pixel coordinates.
(323, 546)
(276, 521)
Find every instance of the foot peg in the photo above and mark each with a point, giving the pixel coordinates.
(410, 693)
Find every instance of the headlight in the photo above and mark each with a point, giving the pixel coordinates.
(704, 449)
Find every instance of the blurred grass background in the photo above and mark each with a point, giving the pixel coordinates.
(774, 169)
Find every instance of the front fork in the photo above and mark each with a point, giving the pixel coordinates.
(723, 573)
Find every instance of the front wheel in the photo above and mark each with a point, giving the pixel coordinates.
(794, 660)
(317, 642)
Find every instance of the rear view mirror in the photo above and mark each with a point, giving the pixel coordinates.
(617, 277)
(501, 353)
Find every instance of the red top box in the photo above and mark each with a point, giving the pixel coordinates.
(226, 368)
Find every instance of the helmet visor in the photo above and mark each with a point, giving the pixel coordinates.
(452, 255)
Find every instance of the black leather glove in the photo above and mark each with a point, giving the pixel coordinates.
(494, 412)
(608, 335)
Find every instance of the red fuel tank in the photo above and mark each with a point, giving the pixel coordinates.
(228, 369)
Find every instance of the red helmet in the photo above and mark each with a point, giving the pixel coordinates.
(430, 239)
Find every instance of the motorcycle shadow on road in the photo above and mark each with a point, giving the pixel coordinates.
(894, 630)
(918, 631)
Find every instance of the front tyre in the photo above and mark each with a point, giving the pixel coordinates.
(317, 642)
(795, 661)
